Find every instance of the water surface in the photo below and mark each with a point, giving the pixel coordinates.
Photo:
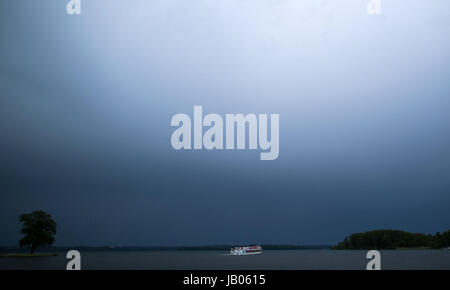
(219, 260)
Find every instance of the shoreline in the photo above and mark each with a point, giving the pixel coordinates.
(27, 255)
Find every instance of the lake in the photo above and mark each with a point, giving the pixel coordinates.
(219, 260)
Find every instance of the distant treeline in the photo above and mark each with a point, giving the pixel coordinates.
(393, 239)
(162, 248)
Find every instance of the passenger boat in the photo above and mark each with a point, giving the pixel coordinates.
(246, 250)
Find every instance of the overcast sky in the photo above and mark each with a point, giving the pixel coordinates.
(86, 103)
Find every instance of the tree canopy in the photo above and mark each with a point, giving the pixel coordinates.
(392, 239)
(39, 229)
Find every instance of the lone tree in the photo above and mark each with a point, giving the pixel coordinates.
(38, 228)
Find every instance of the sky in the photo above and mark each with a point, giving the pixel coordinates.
(86, 102)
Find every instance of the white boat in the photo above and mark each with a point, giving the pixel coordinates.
(249, 250)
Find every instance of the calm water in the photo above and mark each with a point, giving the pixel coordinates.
(269, 260)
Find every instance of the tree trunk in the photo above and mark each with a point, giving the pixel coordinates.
(32, 249)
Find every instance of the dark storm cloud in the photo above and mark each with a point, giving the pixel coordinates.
(86, 103)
